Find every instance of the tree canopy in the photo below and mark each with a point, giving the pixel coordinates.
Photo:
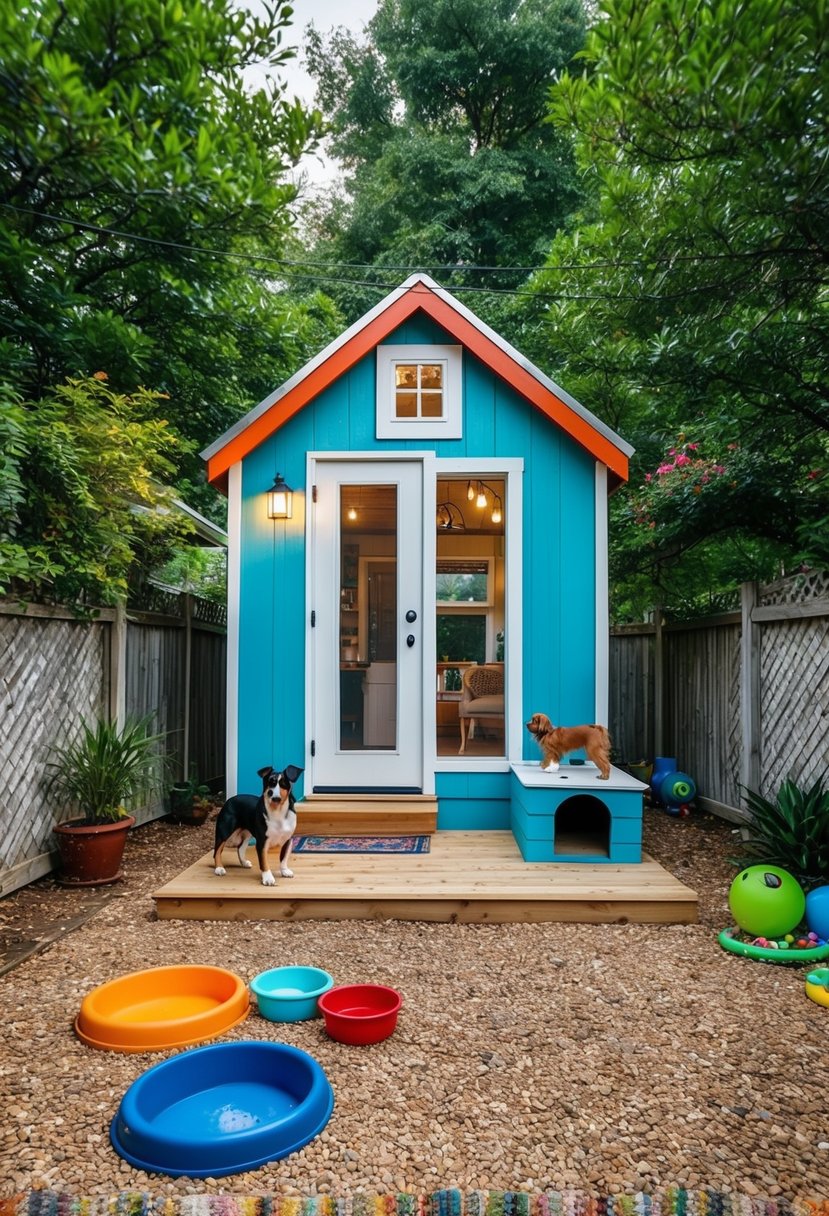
(146, 207)
(438, 119)
(146, 198)
(83, 498)
(141, 181)
(687, 306)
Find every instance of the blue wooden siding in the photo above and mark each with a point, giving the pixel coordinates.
(473, 801)
(558, 556)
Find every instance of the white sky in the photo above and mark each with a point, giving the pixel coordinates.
(324, 14)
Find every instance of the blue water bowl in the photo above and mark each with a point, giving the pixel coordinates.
(222, 1109)
(290, 994)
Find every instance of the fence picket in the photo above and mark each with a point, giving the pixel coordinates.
(724, 692)
(55, 670)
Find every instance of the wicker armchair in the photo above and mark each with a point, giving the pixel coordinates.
(482, 698)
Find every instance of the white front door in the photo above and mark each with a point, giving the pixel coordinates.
(366, 603)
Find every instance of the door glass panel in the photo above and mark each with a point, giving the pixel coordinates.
(368, 618)
(470, 597)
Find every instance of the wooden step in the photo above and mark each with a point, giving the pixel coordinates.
(367, 815)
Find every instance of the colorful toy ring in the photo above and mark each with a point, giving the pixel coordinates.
(768, 954)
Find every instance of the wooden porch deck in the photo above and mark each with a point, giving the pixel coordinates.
(469, 877)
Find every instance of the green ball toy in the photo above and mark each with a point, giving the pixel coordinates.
(766, 901)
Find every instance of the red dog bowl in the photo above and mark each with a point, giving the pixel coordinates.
(360, 1013)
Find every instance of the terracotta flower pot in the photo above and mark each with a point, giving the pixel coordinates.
(91, 856)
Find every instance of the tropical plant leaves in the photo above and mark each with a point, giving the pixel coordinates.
(792, 831)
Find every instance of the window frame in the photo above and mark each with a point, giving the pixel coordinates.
(467, 605)
(450, 424)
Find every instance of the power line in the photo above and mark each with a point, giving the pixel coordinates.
(456, 267)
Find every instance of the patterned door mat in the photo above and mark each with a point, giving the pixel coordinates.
(361, 844)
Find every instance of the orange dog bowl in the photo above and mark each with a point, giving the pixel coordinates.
(161, 1008)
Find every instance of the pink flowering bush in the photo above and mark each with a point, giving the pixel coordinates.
(712, 508)
(704, 516)
(685, 471)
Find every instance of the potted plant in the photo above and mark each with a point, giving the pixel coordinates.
(99, 772)
(189, 801)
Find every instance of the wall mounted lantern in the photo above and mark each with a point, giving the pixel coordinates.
(280, 499)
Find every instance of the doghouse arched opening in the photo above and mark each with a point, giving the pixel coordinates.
(582, 826)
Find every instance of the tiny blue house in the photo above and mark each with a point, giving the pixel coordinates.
(418, 562)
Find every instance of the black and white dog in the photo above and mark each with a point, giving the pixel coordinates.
(269, 819)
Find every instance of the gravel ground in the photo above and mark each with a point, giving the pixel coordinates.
(607, 1058)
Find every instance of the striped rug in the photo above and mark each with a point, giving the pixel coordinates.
(665, 1202)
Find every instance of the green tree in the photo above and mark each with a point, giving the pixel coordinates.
(198, 570)
(438, 120)
(692, 297)
(141, 182)
(88, 506)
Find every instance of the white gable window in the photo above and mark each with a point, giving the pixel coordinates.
(419, 392)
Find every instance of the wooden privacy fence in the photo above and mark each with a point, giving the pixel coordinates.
(165, 657)
(740, 699)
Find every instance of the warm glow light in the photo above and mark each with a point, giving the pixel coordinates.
(280, 499)
(480, 501)
(351, 513)
(496, 512)
(470, 491)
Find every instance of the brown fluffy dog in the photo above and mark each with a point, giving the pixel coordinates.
(557, 741)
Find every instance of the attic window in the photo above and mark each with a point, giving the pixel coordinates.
(419, 392)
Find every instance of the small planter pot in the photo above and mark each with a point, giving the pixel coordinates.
(91, 856)
(197, 815)
(186, 806)
(180, 800)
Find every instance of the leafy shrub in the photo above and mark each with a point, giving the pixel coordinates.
(106, 767)
(792, 832)
(90, 464)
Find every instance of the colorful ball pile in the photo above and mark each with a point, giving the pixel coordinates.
(806, 941)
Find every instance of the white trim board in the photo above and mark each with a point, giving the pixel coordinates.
(234, 590)
(602, 608)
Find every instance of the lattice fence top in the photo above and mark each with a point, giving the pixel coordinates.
(166, 601)
(209, 612)
(797, 589)
(151, 597)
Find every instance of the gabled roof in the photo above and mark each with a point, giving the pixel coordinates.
(418, 293)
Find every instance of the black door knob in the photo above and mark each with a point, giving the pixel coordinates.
(411, 615)
(410, 640)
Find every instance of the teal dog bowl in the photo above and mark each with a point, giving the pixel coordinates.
(290, 994)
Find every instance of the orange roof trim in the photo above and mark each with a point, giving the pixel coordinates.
(420, 296)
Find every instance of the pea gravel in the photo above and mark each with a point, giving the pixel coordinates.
(612, 1059)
